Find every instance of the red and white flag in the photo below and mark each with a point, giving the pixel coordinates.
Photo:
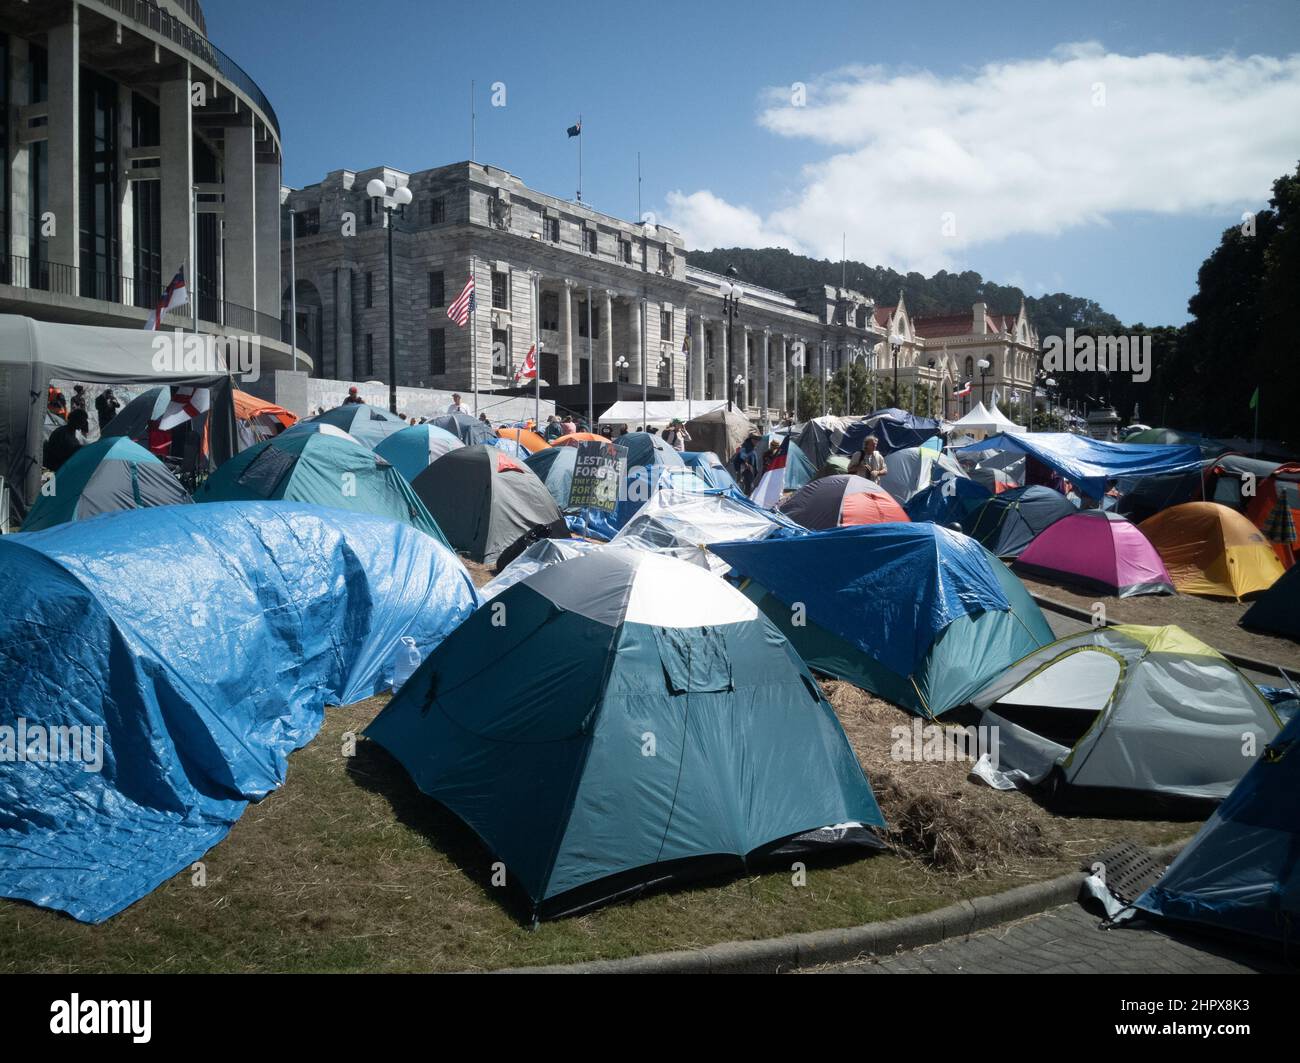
(961, 391)
(186, 405)
(175, 295)
(528, 370)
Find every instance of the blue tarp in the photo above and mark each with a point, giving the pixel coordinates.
(918, 579)
(895, 429)
(948, 502)
(1089, 463)
(203, 643)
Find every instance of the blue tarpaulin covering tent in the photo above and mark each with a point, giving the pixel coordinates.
(948, 502)
(894, 429)
(200, 643)
(1089, 463)
(710, 468)
(916, 613)
(1240, 873)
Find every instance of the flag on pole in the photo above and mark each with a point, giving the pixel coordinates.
(962, 391)
(175, 295)
(575, 130)
(186, 405)
(460, 310)
(528, 370)
(1254, 399)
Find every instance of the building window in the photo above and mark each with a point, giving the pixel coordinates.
(437, 210)
(437, 351)
(146, 207)
(437, 289)
(666, 325)
(551, 229)
(550, 311)
(500, 291)
(370, 291)
(500, 352)
(581, 311)
(665, 261)
(370, 211)
(625, 250)
(589, 235)
(38, 194)
(370, 356)
(306, 222)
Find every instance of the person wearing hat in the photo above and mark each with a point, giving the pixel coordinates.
(676, 436)
(106, 407)
(354, 397)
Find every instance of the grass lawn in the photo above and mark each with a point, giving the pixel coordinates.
(349, 868)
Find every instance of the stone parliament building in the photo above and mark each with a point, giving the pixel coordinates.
(615, 300)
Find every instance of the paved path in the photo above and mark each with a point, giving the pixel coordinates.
(1068, 940)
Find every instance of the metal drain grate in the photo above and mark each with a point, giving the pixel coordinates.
(1128, 869)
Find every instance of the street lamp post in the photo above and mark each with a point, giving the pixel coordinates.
(293, 287)
(983, 365)
(402, 196)
(929, 402)
(730, 311)
(895, 348)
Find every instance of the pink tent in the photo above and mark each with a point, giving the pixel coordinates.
(1099, 549)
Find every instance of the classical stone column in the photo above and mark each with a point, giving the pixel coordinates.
(63, 244)
(697, 359)
(607, 362)
(634, 340)
(782, 396)
(177, 175)
(725, 372)
(742, 366)
(765, 378)
(240, 216)
(566, 333)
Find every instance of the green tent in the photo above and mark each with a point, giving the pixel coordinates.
(622, 720)
(485, 501)
(322, 469)
(104, 477)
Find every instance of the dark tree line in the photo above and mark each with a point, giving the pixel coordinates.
(1241, 337)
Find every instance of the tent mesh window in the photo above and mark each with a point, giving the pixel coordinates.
(1063, 726)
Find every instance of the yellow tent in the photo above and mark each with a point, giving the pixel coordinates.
(1212, 550)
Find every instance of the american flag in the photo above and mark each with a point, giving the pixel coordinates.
(460, 310)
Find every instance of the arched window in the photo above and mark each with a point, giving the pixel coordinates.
(970, 368)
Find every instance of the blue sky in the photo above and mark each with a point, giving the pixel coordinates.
(987, 116)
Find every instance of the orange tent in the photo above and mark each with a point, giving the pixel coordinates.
(249, 406)
(529, 440)
(574, 438)
(1212, 550)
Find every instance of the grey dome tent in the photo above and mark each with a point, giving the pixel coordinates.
(1144, 709)
(484, 501)
(721, 431)
(635, 723)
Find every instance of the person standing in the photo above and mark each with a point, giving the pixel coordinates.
(456, 406)
(676, 436)
(354, 397)
(745, 464)
(106, 407)
(870, 462)
(66, 440)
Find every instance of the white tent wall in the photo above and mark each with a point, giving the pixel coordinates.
(657, 414)
(34, 353)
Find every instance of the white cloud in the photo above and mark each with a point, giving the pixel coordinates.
(1013, 148)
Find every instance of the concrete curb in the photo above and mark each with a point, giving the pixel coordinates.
(793, 951)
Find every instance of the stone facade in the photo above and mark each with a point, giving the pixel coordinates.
(536, 259)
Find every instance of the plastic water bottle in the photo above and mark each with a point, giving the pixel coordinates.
(405, 661)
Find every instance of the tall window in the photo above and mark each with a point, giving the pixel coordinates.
(500, 291)
(5, 273)
(146, 208)
(38, 199)
(437, 210)
(98, 208)
(370, 291)
(581, 310)
(551, 228)
(370, 355)
(589, 235)
(666, 325)
(550, 311)
(437, 289)
(625, 248)
(437, 351)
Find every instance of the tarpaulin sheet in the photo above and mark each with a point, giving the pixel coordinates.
(200, 643)
(1089, 463)
(888, 589)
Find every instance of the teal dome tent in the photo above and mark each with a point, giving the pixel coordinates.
(633, 723)
(322, 469)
